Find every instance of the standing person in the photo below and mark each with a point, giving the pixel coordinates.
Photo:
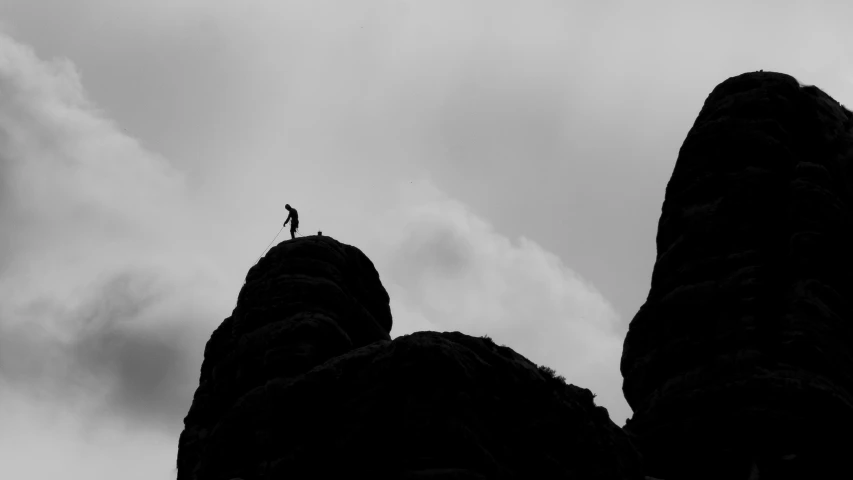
(293, 215)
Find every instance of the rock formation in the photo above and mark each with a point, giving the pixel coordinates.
(741, 357)
(738, 366)
(305, 302)
(303, 382)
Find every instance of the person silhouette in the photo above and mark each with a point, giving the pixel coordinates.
(293, 218)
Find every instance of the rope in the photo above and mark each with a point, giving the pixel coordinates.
(268, 246)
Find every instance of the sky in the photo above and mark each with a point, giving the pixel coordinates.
(503, 164)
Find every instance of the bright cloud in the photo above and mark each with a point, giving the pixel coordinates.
(448, 270)
(104, 304)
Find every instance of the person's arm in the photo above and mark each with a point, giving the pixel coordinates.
(288, 219)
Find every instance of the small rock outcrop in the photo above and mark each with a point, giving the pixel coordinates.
(303, 382)
(740, 361)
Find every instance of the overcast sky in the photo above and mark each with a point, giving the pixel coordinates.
(502, 163)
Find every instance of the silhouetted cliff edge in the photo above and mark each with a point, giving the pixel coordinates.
(743, 351)
(303, 382)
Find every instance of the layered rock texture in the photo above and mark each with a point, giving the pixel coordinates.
(303, 382)
(741, 358)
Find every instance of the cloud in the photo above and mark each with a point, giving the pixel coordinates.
(446, 269)
(105, 295)
(128, 353)
(108, 292)
(75, 450)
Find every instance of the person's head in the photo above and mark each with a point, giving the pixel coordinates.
(287, 207)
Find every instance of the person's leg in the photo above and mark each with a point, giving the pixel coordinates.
(292, 233)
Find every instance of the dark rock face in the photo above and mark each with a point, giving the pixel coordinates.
(302, 382)
(743, 351)
(739, 365)
(305, 302)
(427, 405)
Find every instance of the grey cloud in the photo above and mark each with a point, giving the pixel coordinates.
(431, 247)
(450, 270)
(108, 357)
(104, 310)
